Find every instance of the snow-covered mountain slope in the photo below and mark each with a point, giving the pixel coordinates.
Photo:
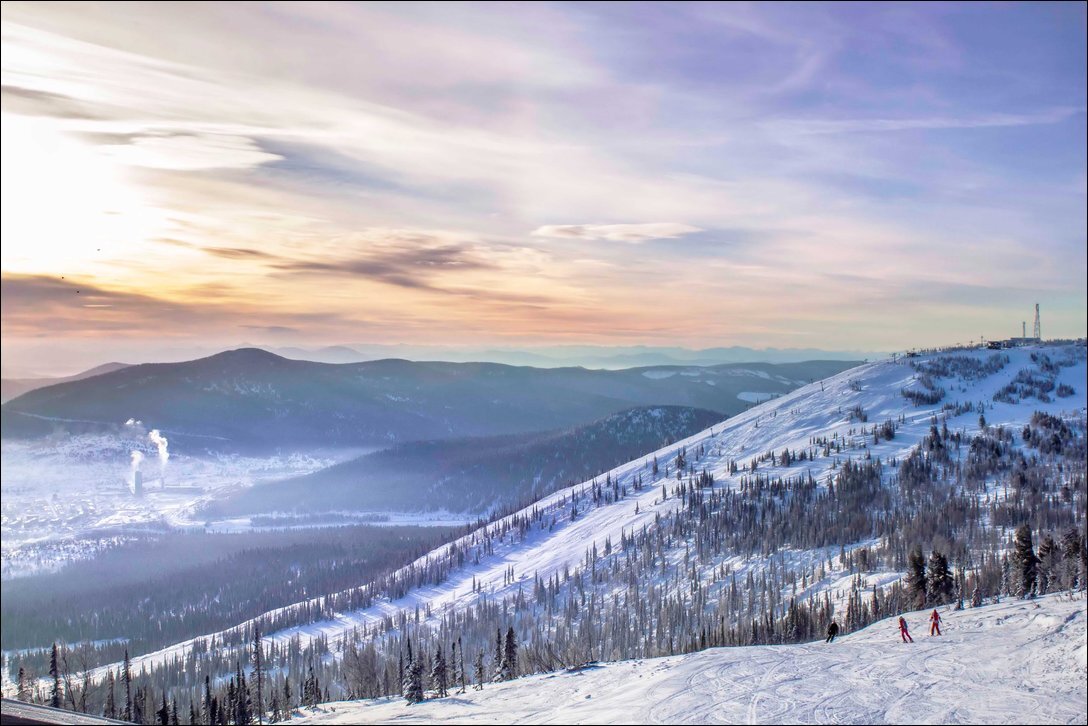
(1014, 662)
(581, 529)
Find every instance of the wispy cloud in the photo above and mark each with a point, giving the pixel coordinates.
(411, 267)
(417, 260)
(190, 152)
(846, 126)
(235, 253)
(86, 308)
(274, 329)
(633, 233)
(34, 102)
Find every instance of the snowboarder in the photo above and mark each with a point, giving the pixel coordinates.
(935, 623)
(903, 630)
(832, 631)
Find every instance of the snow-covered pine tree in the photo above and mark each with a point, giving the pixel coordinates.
(258, 672)
(207, 713)
(1071, 560)
(413, 691)
(412, 685)
(311, 694)
(453, 664)
(509, 669)
(406, 671)
(1026, 562)
(54, 673)
(1049, 565)
(23, 692)
(230, 706)
(109, 710)
(243, 704)
(939, 584)
(496, 666)
(478, 674)
(276, 716)
(126, 676)
(287, 707)
(461, 665)
(916, 578)
(248, 706)
(164, 711)
(439, 675)
(139, 702)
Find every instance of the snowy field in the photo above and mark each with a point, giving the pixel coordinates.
(1015, 662)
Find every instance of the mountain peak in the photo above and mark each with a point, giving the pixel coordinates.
(247, 356)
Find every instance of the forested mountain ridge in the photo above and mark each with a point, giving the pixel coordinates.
(250, 399)
(13, 387)
(478, 475)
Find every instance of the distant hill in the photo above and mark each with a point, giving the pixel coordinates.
(588, 356)
(12, 387)
(252, 399)
(477, 474)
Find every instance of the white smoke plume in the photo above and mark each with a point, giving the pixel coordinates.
(137, 457)
(164, 453)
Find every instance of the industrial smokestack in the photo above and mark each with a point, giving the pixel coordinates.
(134, 471)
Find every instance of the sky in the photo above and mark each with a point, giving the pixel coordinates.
(840, 176)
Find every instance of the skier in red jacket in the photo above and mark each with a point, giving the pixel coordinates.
(903, 630)
(935, 623)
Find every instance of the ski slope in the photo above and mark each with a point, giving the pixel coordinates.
(1015, 662)
(821, 409)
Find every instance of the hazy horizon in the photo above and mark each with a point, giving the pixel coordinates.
(61, 361)
(827, 176)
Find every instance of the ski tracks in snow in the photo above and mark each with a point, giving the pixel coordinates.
(982, 673)
(1003, 663)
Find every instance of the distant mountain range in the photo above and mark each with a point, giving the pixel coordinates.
(12, 387)
(588, 356)
(250, 399)
(58, 357)
(478, 474)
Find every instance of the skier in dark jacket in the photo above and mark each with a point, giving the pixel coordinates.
(832, 631)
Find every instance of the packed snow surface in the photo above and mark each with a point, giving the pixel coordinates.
(1015, 662)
